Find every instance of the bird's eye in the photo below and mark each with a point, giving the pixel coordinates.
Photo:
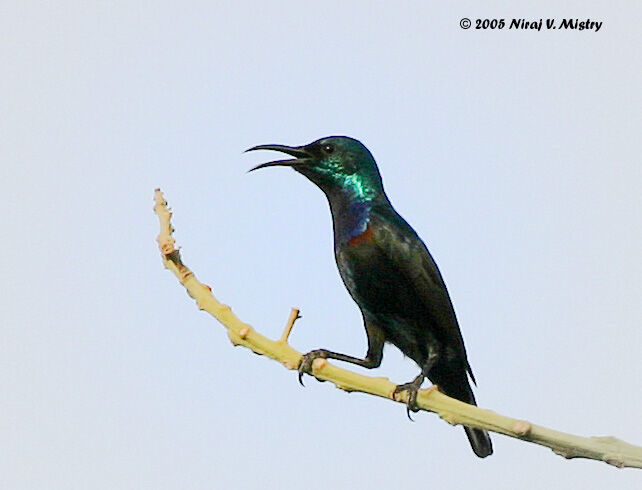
(328, 149)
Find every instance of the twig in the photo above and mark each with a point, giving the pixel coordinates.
(608, 449)
(294, 316)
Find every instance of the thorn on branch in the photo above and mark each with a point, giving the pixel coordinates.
(522, 428)
(318, 364)
(618, 463)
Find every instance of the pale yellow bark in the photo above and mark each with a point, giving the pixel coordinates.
(608, 449)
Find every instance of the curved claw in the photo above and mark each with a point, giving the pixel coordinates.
(408, 414)
(412, 388)
(306, 363)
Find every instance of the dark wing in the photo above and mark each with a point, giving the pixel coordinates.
(410, 257)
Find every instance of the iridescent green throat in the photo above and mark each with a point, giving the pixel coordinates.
(359, 186)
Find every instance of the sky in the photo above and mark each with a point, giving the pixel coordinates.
(514, 154)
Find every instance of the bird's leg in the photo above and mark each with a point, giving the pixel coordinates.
(308, 359)
(415, 384)
(372, 359)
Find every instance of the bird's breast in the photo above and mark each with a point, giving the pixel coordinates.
(364, 269)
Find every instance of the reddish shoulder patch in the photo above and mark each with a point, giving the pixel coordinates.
(364, 237)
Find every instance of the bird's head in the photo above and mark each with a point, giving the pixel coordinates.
(335, 164)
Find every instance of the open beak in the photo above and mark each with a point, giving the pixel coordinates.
(298, 152)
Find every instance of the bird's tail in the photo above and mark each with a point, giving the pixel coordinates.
(458, 387)
(479, 441)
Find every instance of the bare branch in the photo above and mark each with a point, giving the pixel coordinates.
(608, 449)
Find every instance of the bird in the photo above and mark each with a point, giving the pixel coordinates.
(388, 271)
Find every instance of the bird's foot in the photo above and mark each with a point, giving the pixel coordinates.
(412, 388)
(306, 362)
(411, 404)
